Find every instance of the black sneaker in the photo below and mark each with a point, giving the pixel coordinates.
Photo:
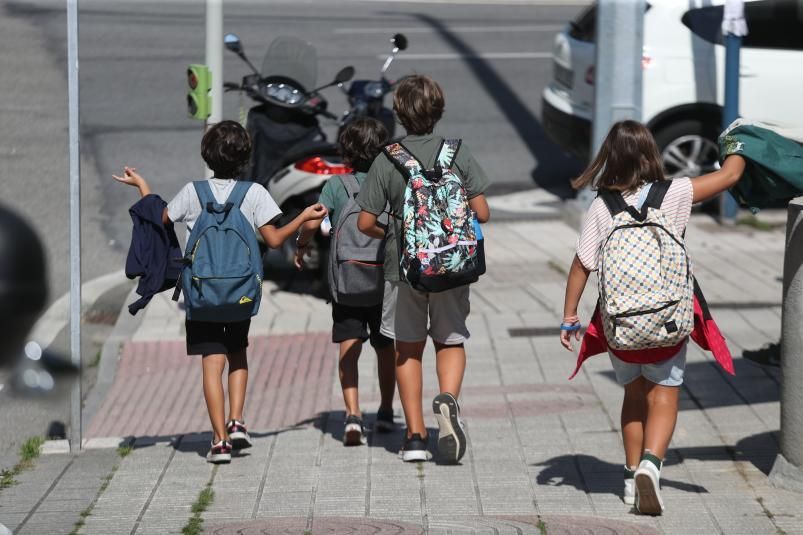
(354, 434)
(415, 449)
(451, 437)
(219, 453)
(384, 421)
(238, 434)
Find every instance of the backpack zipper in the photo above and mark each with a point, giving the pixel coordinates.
(644, 312)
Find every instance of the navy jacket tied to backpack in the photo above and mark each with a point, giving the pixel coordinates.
(154, 255)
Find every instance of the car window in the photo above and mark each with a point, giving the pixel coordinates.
(770, 24)
(584, 26)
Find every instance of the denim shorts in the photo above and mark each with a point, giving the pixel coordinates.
(667, 372)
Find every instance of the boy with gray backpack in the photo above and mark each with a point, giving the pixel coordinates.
(356, 279)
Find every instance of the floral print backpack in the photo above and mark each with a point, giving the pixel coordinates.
(438, 241)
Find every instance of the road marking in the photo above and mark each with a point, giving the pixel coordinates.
(455, 29)
(482, 55)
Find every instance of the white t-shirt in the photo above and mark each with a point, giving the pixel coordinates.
(598, 223)
(258, 206)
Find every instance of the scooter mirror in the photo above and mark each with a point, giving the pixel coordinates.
(399, 41)
(345, 74)
(233, 43)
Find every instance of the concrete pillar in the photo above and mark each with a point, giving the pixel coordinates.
(788, 469)
(617, 71)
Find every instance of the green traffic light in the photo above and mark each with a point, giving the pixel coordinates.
(199, 103)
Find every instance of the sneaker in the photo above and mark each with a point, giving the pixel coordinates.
(452, 436)
(219, 453)
(354, 434)
(648, 491)
(384, 421)
(238, 434)
(630, 487)
(415, 449)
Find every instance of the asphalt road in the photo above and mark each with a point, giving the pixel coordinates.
(492, 60)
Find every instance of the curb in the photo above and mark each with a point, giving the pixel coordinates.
(57, 316)
(124, 329)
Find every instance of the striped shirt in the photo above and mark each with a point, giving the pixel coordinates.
(598, 223)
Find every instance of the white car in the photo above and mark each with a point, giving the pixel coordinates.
(683, 85)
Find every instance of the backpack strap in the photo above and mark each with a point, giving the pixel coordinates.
(448, 152)
(657, 193)
(351, 185)
(237, 195)
(613, 200)
(407, 164)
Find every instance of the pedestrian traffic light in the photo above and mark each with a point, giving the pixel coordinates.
(199, 103)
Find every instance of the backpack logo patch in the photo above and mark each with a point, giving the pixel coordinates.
(245, 300)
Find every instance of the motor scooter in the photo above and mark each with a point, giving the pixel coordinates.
(291, 155)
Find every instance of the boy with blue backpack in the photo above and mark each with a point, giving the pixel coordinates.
(222, 274)
(435, 190)
(356, 278)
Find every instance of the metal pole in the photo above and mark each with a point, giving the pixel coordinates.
(728, 207)
(617, 71)
(75, 220)
(787, 472)
(214, 59)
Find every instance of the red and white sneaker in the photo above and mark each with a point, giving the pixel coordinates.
(238, 434)
(219, 453)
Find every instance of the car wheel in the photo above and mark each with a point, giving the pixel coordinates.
(688, 148)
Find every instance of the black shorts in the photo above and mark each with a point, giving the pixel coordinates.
(208, 338)
(350, 323)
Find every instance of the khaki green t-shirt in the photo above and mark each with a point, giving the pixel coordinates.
(385, 184)
(334, 195)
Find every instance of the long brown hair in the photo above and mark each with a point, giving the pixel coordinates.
(628, 158)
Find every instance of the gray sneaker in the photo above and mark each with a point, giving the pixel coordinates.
(452, 436)
(354, 433)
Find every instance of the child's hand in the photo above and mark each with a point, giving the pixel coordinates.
(315, 211)
(129, 177)
(300, 252)
(567, 328)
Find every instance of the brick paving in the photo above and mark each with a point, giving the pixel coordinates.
(542, 449)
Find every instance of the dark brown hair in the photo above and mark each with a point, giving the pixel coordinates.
(226, 149)
(418, 103)
(361, 141)
(627, 159)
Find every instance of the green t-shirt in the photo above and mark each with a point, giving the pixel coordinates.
(334, 196)
(385, 184)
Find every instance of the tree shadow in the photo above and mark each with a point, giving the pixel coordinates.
(554, 167)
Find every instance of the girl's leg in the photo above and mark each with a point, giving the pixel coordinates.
(238, 380)
(634, 415)
(386, 370)
(349, 374)
(213, 393)
(662, 414)
(408, 375)
(451, 366)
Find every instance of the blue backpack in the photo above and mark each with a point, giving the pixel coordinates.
(222, 275)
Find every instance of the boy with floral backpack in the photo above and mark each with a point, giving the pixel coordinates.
(426, 292)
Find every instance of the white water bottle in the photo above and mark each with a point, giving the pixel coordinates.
(326, 226)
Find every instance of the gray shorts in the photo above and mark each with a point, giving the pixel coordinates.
(668, 372)
(409, 315)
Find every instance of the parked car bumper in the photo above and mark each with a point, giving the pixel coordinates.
(570, 132)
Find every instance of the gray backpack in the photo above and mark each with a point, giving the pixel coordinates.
(356, 272)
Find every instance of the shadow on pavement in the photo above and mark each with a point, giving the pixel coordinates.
(554, 168)
(760, 450)
(595, 476)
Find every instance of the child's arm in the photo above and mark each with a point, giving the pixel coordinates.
(479, 205)
(132, 178)
(368, 224)
(576, 283)
(275, 236)
(304, 237)
(712, 184)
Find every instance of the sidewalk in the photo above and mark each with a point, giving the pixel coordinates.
(545, 454)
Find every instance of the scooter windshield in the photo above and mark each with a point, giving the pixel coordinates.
(292, 58)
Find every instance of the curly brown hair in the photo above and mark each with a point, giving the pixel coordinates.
(627, 159)
(418, 103)
(361, 141)
(226, 149)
